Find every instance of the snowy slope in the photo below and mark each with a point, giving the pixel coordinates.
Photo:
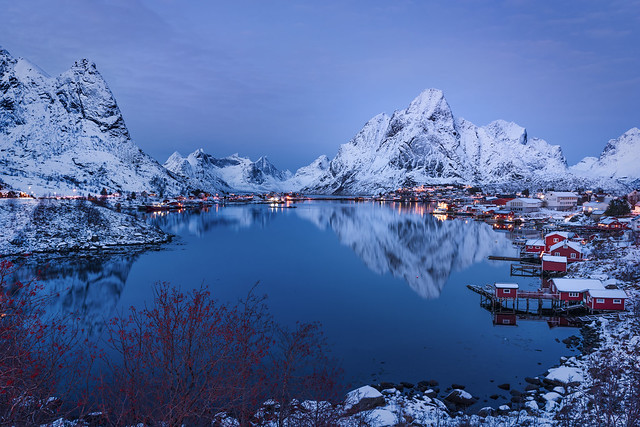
(233, 173)
(425, 143)
(63, 133)
(619, 161)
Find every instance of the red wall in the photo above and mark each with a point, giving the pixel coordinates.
(553, 266)
(606, 305)
(501, 294)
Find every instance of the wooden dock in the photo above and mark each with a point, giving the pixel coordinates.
(526, 270)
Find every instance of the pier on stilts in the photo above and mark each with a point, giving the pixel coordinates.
(526, 270)
(521, 301)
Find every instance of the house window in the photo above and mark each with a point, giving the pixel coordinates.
(557, 253)
(506, 291)
(573, 255)
(574, 294)
(617, 301)
(555, 240)
(600, 300)
(506, 321)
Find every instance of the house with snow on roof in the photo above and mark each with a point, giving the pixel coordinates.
(534, 246)
(574, 290)
(554, 264)
(566, 248)
(605, 299)
(554, 237)
(561, 200)
(612, 223)
(524, 205)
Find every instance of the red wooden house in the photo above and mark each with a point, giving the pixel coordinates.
(610, 223)
(573, 290)
(555, 237)
(534, 246)
(606, 299)
(506, 290)
(552, 263)
(566, 248)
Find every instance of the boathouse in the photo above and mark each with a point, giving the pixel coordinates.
(574, 290)
(554, 237)
(606, 299)
(552, 263)
(566, 248)
(534, 246)
(506, 290)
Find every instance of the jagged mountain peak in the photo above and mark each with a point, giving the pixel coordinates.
(428, 102)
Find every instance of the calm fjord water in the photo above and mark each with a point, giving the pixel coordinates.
(387, 282)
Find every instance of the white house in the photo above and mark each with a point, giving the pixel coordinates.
(524, 205)
(561, 200)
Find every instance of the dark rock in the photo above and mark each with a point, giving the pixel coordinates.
(460, 398)
(432, 394)
(457, 386)
(534, 381)
(494, 396)
(504, 386)
(385, 385)
(531, 387)
(515, 393)
(406, 385)
(367, 404)
(433, 383)
(486, 412)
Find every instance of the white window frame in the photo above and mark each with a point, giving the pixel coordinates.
(599, 300)
(574, 294)
(573, 255)
(617, 301)
(506, 291)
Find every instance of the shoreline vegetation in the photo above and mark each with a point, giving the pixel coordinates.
(598, 387)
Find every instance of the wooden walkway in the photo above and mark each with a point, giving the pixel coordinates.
(591, 317)
(526, 270)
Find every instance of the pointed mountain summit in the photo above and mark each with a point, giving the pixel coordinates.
(426, 144)
(67, 133)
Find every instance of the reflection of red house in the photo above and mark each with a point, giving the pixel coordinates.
(554, 237)
(573, 290)
(606, 299)
(506, 290)
(534, 246)
(554, 263)
(566, 248)
(505, 319)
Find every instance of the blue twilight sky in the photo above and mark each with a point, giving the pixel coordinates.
(295, 79)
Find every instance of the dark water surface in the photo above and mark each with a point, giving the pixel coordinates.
(388, 283)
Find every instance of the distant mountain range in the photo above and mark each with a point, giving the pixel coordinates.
(66, 133)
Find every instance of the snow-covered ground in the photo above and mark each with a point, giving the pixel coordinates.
(50, 225)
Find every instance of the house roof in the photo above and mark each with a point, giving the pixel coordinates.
(553, 258)
(534, 242)
(607, 293)
(562, 194)
(577, 285)
(507, 285)
(564, 234)
(527, 201)
(573, 245)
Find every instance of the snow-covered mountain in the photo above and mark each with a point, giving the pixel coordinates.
(425, 144)
(63, 133)
(619, 162)
(233, 173)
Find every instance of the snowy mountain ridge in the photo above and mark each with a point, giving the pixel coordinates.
(67, 133)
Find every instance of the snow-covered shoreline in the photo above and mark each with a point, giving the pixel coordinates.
(60, 226)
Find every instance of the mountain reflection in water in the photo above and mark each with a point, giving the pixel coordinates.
(404, 240)
(88, 286)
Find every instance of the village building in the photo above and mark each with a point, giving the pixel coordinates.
(612, 223)
(554, 237)
(635, 224)
(566, 248)
(561, 200)
(506, 290)
(551, 264)
(574, 290)
(589, 208)
(534, 246)
(606, 299)
(524, 205)
(636, 209)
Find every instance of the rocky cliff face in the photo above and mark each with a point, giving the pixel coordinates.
(425, 144)
(63, 133)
